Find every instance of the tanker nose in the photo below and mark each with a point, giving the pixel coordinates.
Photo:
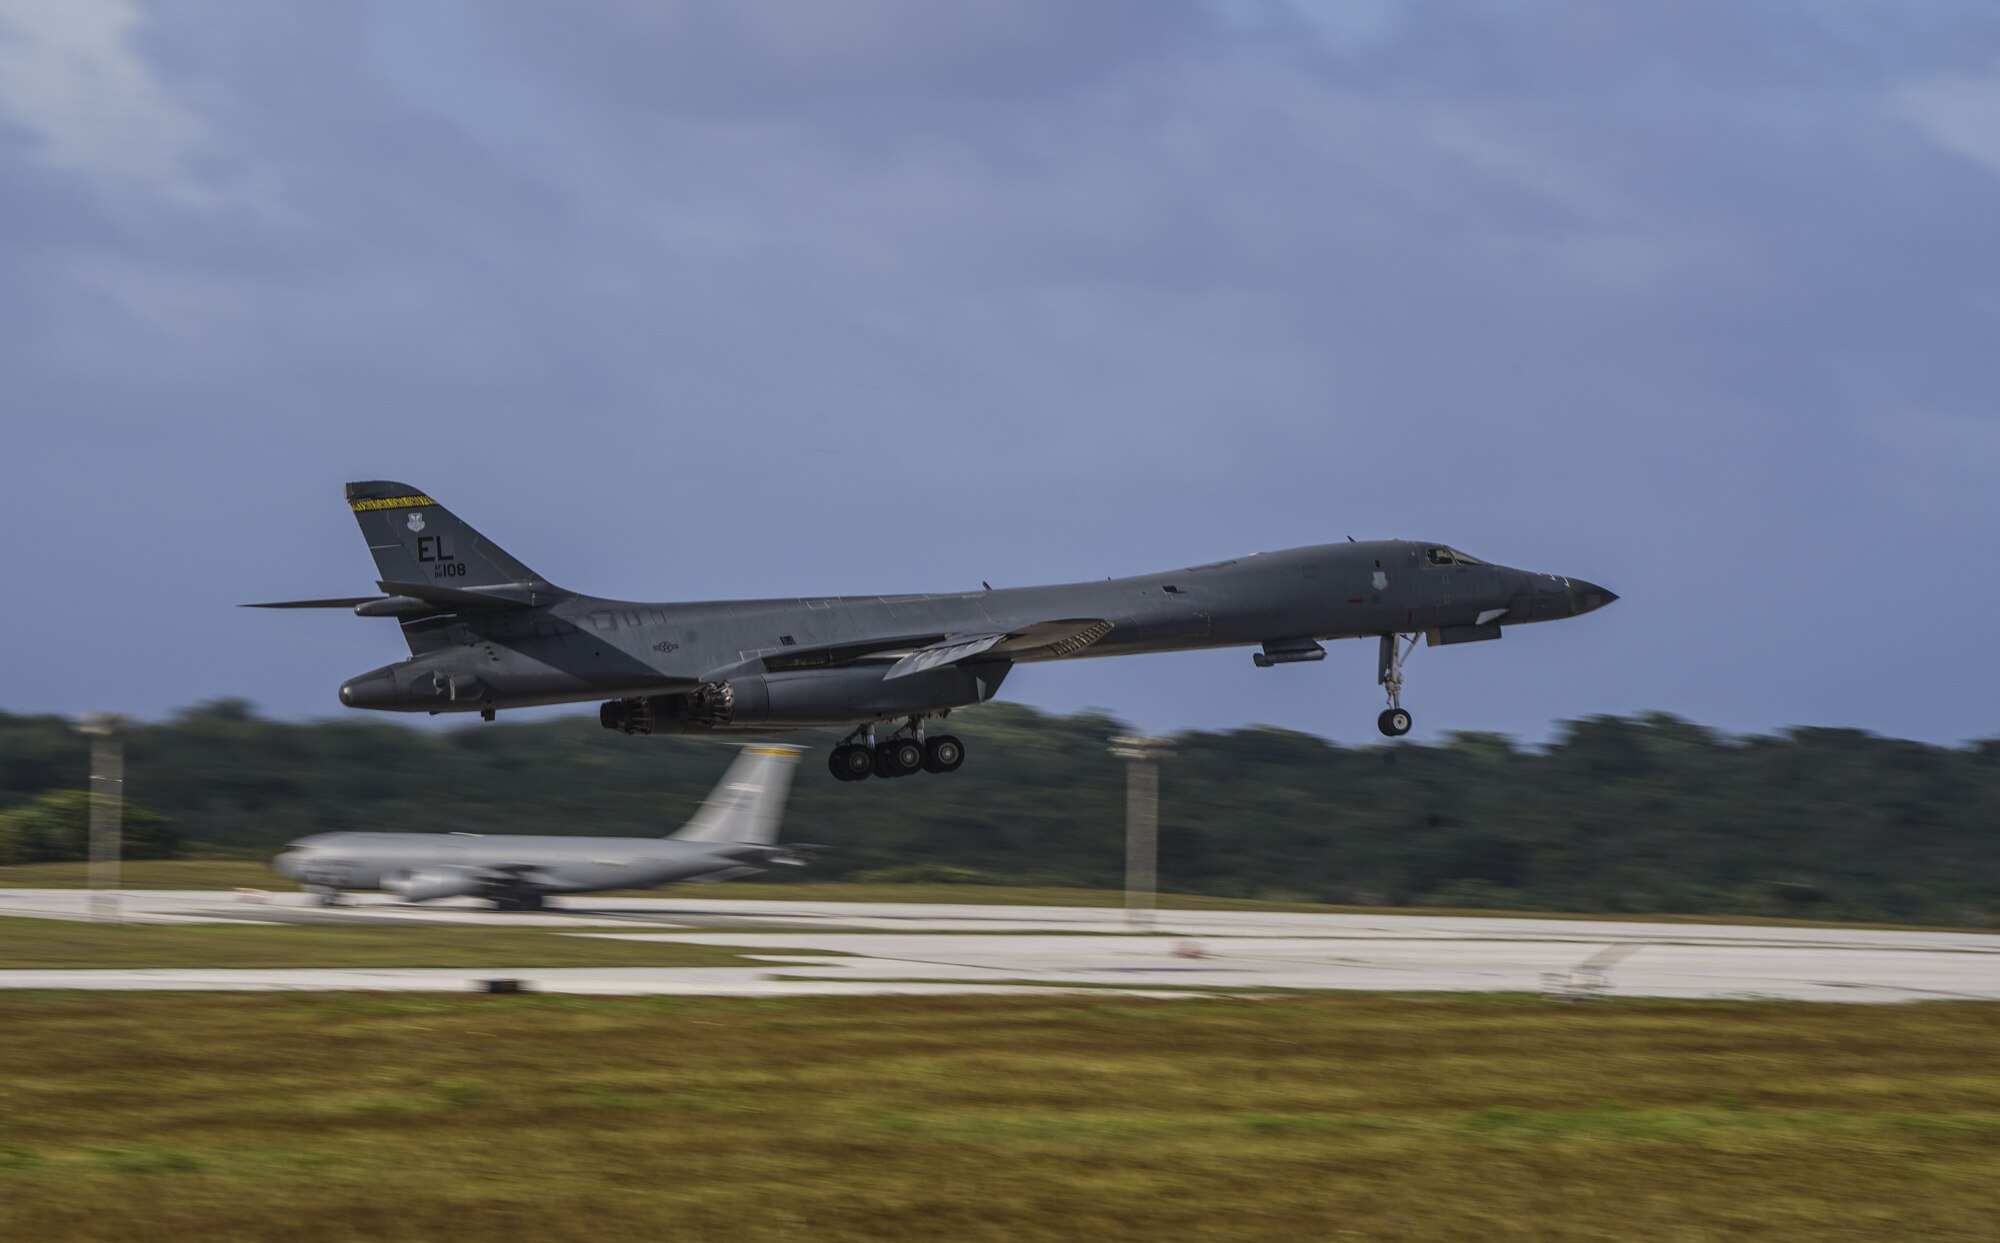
(291, 861)
(370, 690)
(1588, 597)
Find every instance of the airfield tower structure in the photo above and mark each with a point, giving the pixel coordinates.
(107, 801)
(1142, 824)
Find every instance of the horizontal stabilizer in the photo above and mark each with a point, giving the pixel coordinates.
(459, 600)
(345, 602)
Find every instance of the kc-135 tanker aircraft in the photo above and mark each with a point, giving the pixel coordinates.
(735, 833)
(486, 632)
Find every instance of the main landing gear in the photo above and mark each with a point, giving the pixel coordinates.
(1394, 721)
(861, 757)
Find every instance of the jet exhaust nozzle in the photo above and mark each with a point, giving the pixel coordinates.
(706, 707)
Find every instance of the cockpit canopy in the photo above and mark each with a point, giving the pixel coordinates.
(1438, 554)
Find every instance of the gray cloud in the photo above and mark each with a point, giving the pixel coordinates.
(1694, 300)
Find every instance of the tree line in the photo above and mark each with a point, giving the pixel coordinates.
(1618, 814)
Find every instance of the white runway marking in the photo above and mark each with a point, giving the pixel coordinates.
(909, 948)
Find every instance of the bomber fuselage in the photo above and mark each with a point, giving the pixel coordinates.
(817, 661)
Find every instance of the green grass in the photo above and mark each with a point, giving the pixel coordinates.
(325, 1117)
(51, 943)
(250, 874)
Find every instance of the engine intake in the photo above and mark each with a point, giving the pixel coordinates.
(423, 884)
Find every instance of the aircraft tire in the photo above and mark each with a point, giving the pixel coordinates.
(943, 754)
(1394, 722)
(851, 763)
(899, 757)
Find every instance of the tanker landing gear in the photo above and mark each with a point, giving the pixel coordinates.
(1394, 721)
(859, 756)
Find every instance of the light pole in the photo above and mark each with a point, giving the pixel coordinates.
(107, 797)
(1142, 824)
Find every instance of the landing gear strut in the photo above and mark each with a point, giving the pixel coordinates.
(1394, 721)
(859, 756)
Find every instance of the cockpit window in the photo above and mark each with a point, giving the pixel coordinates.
(1450, 556)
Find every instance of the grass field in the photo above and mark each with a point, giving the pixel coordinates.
(49, 943)
(331, 1117)
(252, 874)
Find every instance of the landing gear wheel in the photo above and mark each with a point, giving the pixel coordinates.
(943, 754)
(1394, 722)
(899, 757)
(851, 763)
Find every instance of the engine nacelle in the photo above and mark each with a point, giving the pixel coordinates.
(424, 884)
(805, 697)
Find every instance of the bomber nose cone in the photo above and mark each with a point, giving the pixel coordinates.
(1589, 597)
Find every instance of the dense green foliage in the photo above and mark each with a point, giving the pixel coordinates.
(54, 827)
(1617, 814)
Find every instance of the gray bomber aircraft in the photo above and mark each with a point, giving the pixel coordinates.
(735, 833)
(486, 633)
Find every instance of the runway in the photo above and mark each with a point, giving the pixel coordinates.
(910, 948)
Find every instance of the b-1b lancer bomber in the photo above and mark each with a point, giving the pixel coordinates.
(486, 633)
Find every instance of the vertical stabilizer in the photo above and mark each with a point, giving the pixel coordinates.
(416, 540)
(749, 802)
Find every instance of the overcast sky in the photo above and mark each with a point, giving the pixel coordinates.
(1700, 301)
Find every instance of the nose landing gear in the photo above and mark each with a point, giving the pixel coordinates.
(1394, 721)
